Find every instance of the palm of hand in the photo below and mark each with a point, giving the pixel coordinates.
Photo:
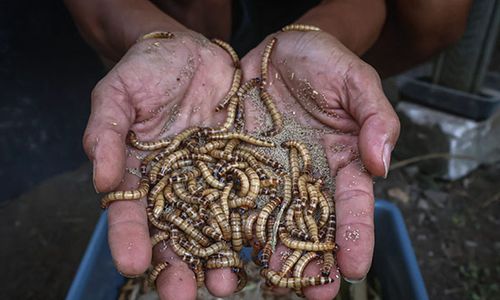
(319, 83)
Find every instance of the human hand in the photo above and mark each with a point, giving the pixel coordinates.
(160, 87)
(314, 76)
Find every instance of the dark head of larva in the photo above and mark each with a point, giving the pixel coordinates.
(235, 270)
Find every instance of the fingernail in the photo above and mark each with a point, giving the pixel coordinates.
(386, 158)
(129, 276)
(354, 281)
(93, 176)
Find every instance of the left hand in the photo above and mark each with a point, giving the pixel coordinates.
(314, 67)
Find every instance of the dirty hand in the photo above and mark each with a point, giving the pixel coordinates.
(159, 87)
(319, 82)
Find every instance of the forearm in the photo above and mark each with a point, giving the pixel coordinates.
(112, 26)
(356, 23)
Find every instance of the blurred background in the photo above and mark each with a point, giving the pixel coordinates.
(444, 175)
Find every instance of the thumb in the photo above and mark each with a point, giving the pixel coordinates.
(379, 123)
(104, 138)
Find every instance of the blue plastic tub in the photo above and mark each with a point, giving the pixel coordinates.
(394, 264)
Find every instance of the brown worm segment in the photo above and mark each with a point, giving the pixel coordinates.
(243, 137)
(237, 236)
(219, 144)
(235, 84)
(155, 272)
(229, 50)
(159, 237)
(302, 245)
(260, 227)
(300, 266)
(146, 146)
(248, 225)
(176, 142)
(276, 117)
(189, 229)
(161, 166)
(225, 197)
(300, 27)
(208, 177)
(204, 252)
(137, 194)
(264, 65)
(290, 261)
(328, 263)
(296, 283)
(221, 219)
(303, 151)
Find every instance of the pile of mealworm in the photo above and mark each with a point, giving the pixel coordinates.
(203, 185)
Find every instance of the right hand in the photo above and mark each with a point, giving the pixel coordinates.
(157, 81)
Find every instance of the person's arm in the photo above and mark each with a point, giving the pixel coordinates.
(112, 26)
(415, 30)
(356, 24)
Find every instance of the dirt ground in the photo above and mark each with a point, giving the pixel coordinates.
(453, 226)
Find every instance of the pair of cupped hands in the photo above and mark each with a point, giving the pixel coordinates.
(188, 76)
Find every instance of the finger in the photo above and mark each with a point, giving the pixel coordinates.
(221, 282)
(319, 292)
(104, 138)
(128, 234)
(379, 123)
(176, 281)
(354, 205)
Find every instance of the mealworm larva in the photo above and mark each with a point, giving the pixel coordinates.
(302, 245)
(159, 205)
(290, 262)
(226, 261)
(146, 146)
(155, 272)
(185, 176)
(156, 222)
(248, 226)
(243, 182)
(229, 50)
(231, 113)
(176, 247)
(264, 65)
(161, 167)
(242, 279)
(300, 266)
(270, 182)
(303, 151)
(204, 252)
(298, 216)
(312, 227)
(304, 179)
(224, 156)
(254, 189)
(328, 262)
(267, 251)
(211, 197)
(293, 282)
(247, 86)
(159, 236)
(241, 202)
(192, 186)
(158, 188)
(221, 219)
(265, 212)
(235, 84)
(187, 208)
(209, 147)
(292, 229)
(300, 27)
(261, 156)
(208, 177)
(239, 120)
(294, 168)
(199, 272)
(313, 198)
(228, 166)
(330, 228)
(157, 35)
(176, 141)
(252, 162)
(324, 209)
(137, 194)
(231, 145)
(145, 162)
(188, 228)
(237, 237)
(224, 198)
(212, 233)
(243, 137)
(276, 117)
